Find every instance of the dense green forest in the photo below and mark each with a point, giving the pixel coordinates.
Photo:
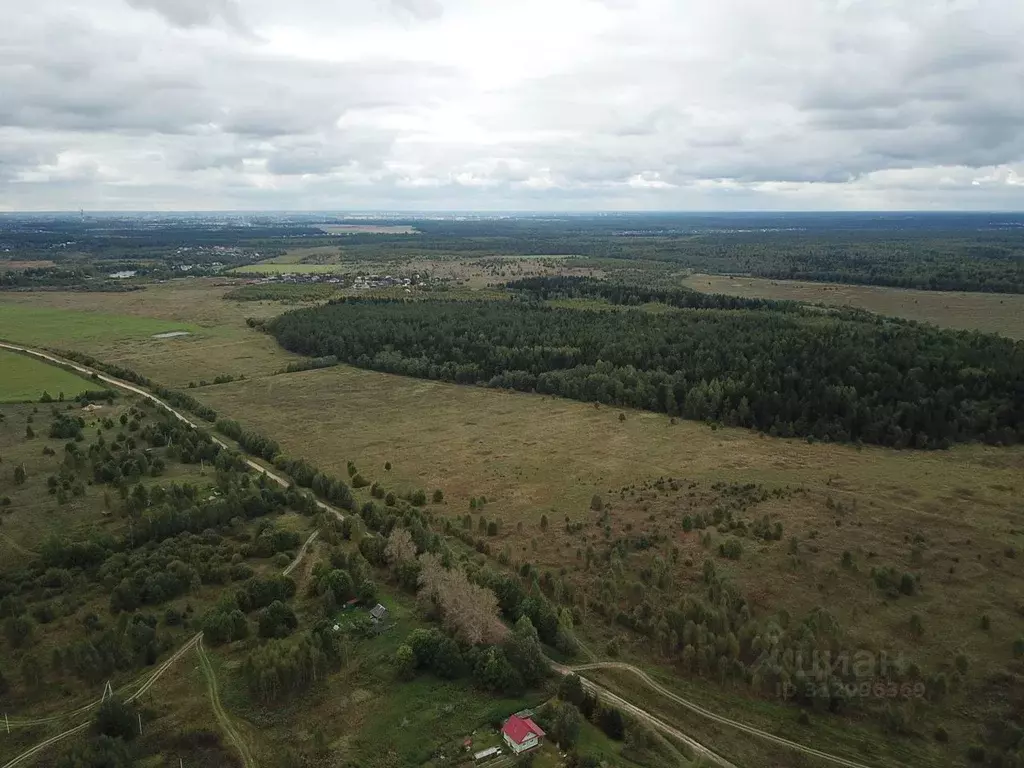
(836, 376)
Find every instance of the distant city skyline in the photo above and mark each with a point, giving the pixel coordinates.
(532, 106)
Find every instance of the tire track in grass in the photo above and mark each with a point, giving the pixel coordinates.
(223, 718)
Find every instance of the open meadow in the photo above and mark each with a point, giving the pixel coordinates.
(26, 379)
(121, 328)
(952, 518)
(1001, 313)
(914, 554)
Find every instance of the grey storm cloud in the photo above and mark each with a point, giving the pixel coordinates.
(194, 13)
(465, 103)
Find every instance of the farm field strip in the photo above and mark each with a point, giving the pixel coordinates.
(25, 379)
(42, 325)
(1001, 313)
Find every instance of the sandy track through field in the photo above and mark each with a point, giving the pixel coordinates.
(698, 749)
(148, 683)
(218, 709)
(43, 745)
(697, 709)
(301, 553)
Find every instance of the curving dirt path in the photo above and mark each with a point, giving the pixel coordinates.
(147, 681)
(720, 719)
(301, 553)
(699, 750)
(156, 400)
(218, 709)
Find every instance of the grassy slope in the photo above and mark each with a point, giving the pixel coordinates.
(988, 312)
(25, 378)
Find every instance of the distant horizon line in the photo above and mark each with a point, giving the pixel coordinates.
(505, 212)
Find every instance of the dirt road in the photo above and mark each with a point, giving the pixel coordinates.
(218, 709)
(697, 709)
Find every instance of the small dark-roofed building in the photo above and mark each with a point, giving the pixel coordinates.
(378, 613)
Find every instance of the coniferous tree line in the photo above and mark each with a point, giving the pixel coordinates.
(826, 375)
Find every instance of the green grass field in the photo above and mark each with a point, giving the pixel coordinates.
(24, 378)
(57, 326)
(119, 328)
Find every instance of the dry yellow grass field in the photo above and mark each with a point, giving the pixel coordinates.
(512, 446)
(1001, 313)
(532, 456)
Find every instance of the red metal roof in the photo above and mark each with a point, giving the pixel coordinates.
(519, 729)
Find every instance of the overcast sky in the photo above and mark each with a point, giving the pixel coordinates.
(512, 104)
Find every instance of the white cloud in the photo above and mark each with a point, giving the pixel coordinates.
(552, 104)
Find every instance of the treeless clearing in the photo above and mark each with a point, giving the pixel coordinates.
(470, 273)
(1001, 313)
(533, 454)
(118, 328)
